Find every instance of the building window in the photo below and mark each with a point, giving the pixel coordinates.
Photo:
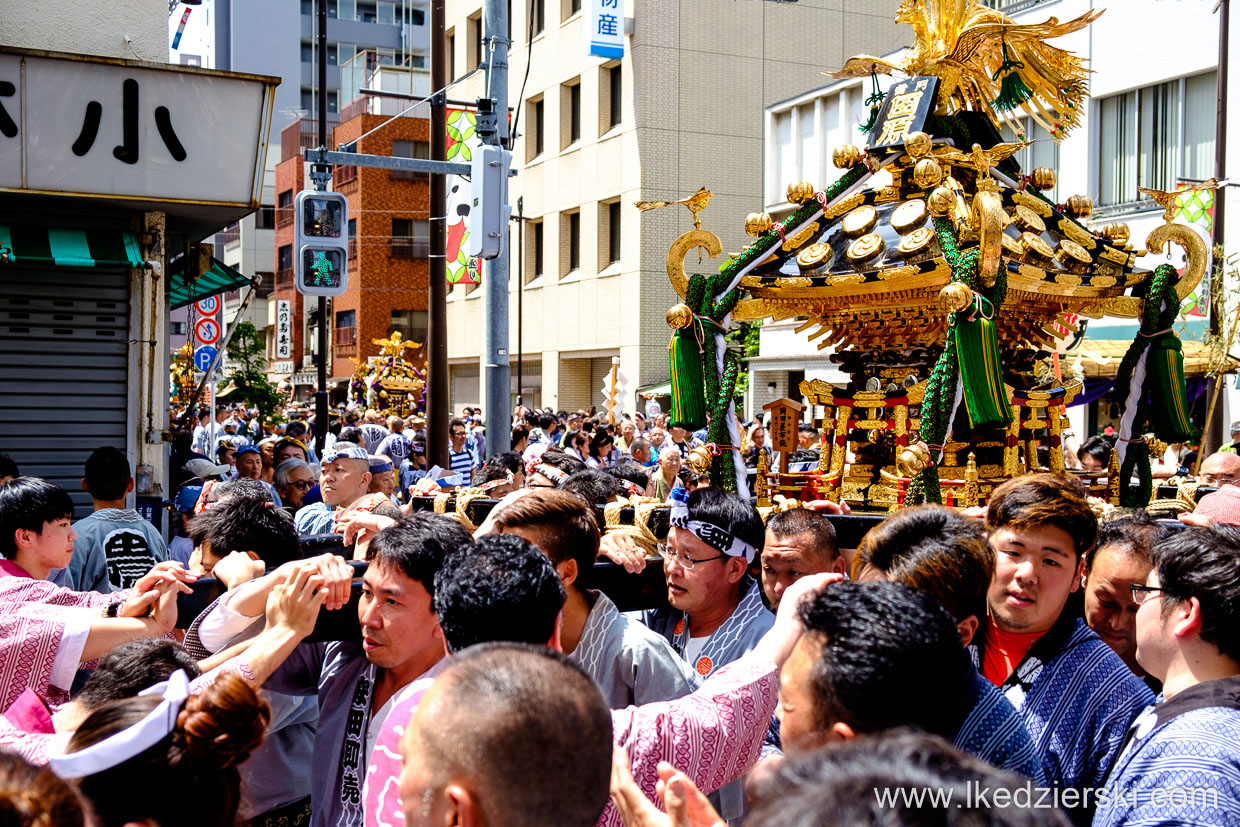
(284, 209)
(411, 324)
(615, 101)
(474, 54)
(284, 257)
(570, 242)
(411, 238)
(265, 218)
(345, 52)
(385, 13)
(410, 149)
(450, 54)
(534, 114)
(417, 17)
(1044, 152)
(539, 18)
(176, 328)
(307, 52)
(568, 8)
(536, 249)
(1156, 137)
(353, 238)
(613, 232)
(570, 113)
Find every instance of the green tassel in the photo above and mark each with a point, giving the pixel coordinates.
(1013, 91)
(875, 100)
(981, 373)
(688, 386)
(1164, 369)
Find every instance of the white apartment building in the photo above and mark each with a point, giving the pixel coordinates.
(1151, 121)
(682, 109)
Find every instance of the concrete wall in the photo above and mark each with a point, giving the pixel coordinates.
(130, 29)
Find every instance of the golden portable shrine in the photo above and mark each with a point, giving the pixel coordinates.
(390, 383)
(939, 270)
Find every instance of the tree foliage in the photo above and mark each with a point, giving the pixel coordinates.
(247, 355)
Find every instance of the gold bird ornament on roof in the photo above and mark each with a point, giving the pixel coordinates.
(695, 203)
(987, 62)
(1166, 199)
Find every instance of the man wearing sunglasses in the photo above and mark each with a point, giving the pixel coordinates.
(1181, 762)
(293, 478)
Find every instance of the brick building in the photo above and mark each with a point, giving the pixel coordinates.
(389, 240)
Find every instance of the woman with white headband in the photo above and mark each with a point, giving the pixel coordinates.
(167, 757)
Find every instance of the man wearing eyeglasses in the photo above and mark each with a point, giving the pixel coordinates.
(716, 613)
(1074, 694)
(1181, 762)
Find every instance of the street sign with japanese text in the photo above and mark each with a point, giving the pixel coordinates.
(83, 125)
(605, 29)
(321, 243)
(284, 329)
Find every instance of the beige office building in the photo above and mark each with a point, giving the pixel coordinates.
(682, 109)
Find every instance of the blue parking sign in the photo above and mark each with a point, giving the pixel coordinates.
(204, 356)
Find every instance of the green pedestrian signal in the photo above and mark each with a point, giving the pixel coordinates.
(321, 266)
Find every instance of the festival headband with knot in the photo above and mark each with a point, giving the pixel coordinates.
(507, 479)
(552, 473)
(712, 535)
(128, 743)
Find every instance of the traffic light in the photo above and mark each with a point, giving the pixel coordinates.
(488, 211)
(321, 244)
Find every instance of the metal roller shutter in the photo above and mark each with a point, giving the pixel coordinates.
(600, 370)
(64, 356)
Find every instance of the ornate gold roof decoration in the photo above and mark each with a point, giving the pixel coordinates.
(986, 62)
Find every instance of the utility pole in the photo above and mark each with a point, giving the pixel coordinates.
(1213, 435)
(497, 406)
(320, 175)
(520, 295)
(437, 300)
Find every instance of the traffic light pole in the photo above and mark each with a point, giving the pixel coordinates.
(437, 298)
(321, 422)
(497, 404)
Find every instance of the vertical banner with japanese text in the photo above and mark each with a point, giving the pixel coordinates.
(605, 29)
(462, 140)
(284, 329)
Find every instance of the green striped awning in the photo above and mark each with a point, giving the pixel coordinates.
(61, 247)
(219, 279)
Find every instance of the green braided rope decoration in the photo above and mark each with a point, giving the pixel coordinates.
(874, 101)
(762, 247)
(697, 387)
(1164, 381)
(1013, 91)
(937, 408)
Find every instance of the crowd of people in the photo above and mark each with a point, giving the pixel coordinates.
(1027, 664)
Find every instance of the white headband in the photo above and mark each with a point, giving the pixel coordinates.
(119, 748)
(552, 473)
(709, 533)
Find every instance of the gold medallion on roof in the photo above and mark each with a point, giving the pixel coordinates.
(908, 216)
(1072, 253)
(815, 255)
(1012, 246)
(918, 241)
(1036, 245)
(1029, 220)
(860, 221)
(865, 248)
